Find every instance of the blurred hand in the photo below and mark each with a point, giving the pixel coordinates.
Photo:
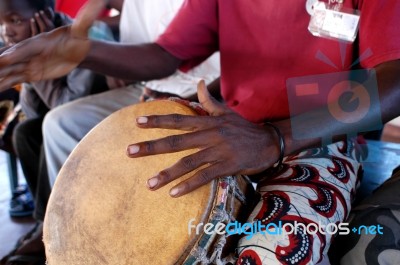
(228, 144)
(49, 55)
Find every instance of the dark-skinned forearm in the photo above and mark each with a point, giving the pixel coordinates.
(388, 80)
(131, 62)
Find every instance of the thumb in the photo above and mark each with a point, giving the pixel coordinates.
(209, 103)
(86, 17)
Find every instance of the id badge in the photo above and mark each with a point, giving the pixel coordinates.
(334, 24)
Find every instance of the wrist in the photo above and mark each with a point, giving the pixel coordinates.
(281, 144)
(294, 145)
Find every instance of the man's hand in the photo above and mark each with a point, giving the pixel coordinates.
(228, 145)
(49, 55)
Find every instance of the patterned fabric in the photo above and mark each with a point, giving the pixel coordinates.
(382, 208)
(314, 187)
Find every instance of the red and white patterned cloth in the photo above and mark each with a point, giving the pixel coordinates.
(315, 186)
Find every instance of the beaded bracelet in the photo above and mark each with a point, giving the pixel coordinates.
(281, 145)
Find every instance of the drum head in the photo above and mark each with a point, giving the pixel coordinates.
(100, 210)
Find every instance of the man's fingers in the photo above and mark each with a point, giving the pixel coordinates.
(12, 73)
(3, 49)
(14, 54)
(176, 121)
(201, 178)
(183, 166)
(86, 16)
(15, 69)
(46, 22)
(210, 104)
(34, 30)
(39, 20)
(10, 81)
(171, 144)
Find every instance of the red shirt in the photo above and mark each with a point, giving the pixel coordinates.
(264, 43)
(71, 7)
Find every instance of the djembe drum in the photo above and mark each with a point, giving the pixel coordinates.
(100, 211)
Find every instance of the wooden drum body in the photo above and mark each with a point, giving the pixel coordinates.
(100, 211)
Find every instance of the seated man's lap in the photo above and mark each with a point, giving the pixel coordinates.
(313, 188)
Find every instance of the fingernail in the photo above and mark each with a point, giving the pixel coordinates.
(37, 14)
(41, 12)
(32, 20)
(142, 120)
(174, 192)
(151, 183)
(133, 149)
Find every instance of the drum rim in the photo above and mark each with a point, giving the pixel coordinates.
(206, 216)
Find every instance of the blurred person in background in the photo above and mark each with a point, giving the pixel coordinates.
(22, 19)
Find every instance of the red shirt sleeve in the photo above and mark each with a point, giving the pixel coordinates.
(192, 36)
(379, 31)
